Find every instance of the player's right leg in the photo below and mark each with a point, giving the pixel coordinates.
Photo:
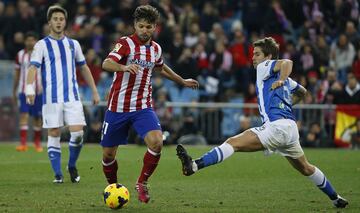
(247, 141)
(53, 120)
(114, 133)
(318, 178)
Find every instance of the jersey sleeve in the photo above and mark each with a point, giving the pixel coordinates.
(120, 51)
(17, 61)
(79, 55)
(266, 69)
(293, 85)
(37, 54)
(158, 57)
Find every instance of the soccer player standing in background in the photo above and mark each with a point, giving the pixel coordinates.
(279, 131)
(56, 57)
(22, 63)
(133, 60)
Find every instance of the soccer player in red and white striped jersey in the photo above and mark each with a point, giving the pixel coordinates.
(22, 63)
(133, 60)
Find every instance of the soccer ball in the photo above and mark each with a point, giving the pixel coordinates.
(116, 196)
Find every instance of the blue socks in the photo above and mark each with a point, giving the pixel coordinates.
(319, 179)
(54, 153)
(75, 145)
(214, 156)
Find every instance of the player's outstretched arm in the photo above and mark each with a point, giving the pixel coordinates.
(168, 73)
(85, 71)
(298, 95)
(284, 66)
(29, 89)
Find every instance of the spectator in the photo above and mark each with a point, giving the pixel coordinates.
(341, 56)
(351, 95)
(315, 136)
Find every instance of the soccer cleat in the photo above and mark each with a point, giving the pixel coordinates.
(22, 148)
(340, 202)
(74, 176)
(143, 192)
(58, 179)
(38, 149)
(186, 160)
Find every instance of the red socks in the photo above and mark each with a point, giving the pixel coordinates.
(151, 160)
(37, 137)
(23, 135)
(110, 170)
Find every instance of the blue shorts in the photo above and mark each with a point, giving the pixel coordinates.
(33, 110)
(117, 124)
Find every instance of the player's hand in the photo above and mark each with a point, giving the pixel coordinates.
(132, 68)
(96, 98)
(30, 99)
(277, 84)
(191, 83)
(30, 94)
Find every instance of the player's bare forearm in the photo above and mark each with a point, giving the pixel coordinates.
(112, 66)
(168, 73)
(85, 71)
(284, 66)
(31, 75)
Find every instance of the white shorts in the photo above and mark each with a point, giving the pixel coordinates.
(55, 114)
(280, 136)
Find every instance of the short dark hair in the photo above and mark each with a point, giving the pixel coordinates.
(147, 13)
(55, 9)
(31, 34)
(268, 46)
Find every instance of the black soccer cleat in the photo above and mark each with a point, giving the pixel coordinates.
(340, 202)
(74, 176)
(186, 160)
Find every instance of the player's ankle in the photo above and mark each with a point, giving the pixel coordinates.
(198, 164)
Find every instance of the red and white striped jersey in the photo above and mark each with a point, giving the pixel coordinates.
(22, 63)
(132, 92)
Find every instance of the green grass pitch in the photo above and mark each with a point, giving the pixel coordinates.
(246, 182)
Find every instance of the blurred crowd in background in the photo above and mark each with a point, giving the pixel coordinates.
(210, 41)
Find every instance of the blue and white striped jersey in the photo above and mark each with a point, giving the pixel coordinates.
(57, 60)
(273, 104)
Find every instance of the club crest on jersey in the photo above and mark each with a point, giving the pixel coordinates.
(117, 47)
(143, 63)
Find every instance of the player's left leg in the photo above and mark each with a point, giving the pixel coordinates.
(24, 117)
(35, 112)
(37, 134)
(154, 143)
(318, 178)
(75, 118)
(247, 141)
(75, 146)
(147, 125)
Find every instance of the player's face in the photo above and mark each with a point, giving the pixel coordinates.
(258, 56)
(30, 42)
(57, 22)
(144, 30)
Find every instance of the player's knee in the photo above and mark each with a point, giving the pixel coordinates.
(233, 142)
(307, 169)
(77, 137)
(154, 141)
(54, 132)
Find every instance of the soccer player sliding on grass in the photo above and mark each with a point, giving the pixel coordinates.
(276, 94)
